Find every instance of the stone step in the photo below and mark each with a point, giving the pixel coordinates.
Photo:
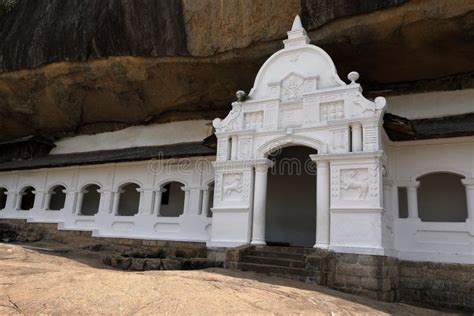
(298, 250)
(275, 261)
(286, 272)
(278, 255)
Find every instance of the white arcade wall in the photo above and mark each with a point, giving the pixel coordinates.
(127, 202)
(437, 218)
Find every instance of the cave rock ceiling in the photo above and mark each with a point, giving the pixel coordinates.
(71, 67)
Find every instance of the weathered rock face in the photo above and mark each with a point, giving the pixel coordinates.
(41, 32)
(87, 66)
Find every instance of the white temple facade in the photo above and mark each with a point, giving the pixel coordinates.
(298, 99)
(355, 190)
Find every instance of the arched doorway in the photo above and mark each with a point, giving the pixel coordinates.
(291, 198)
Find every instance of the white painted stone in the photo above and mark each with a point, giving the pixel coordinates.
(136, 136)
(431, 104)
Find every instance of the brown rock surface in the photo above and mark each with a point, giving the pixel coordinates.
(84, 67)
(215, 27)
(78, 283)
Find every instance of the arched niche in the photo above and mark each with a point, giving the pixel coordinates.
(172, 199)
(129, 200)
(27, 198)
(57, 198)
(90, 200)
(3, 197)
(441, 197)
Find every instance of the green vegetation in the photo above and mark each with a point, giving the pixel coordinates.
(6, 6)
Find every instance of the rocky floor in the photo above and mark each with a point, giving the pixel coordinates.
(76, 282)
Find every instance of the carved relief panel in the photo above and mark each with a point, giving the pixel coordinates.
(291, 88)
(290, 115)
(253, 120)
(233, 181)
(311, 109)
(233, 187)
(270, 115)
(222, 149)
(354, 184)
(245, 149)
(330, 111)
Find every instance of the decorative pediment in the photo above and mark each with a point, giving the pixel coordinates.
(298, 91)
(298, 58)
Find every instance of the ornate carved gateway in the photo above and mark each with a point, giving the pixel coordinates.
(299, 99)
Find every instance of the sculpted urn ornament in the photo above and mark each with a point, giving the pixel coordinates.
(241, 95)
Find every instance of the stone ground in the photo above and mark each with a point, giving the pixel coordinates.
(76, 282)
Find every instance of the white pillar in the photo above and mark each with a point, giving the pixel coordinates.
(205, 201)
(187, 192)
(469, 184)
(106, 201)
(322, 205)
(115, 203)
(48, 199)
(412, 199)
(80, 199)
(18, 196)
(12, 200)
(158, 195)
(71, 200)
(39, 199)
(233, 148)
(146, 204)
(259, 204)
(356, 131)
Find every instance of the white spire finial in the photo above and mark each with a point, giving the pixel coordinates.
(297, 24)
(297, 36)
